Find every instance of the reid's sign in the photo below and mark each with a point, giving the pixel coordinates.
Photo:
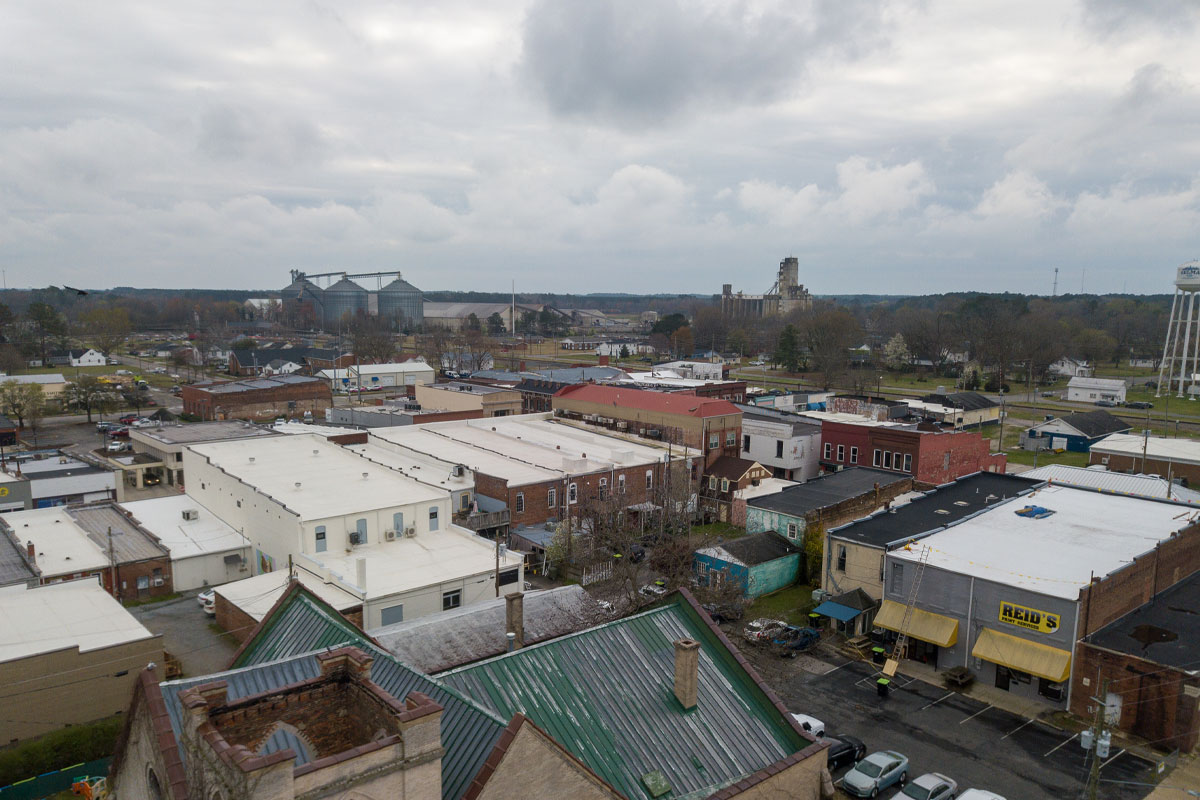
(1029, 618)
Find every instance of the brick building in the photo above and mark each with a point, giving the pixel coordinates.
(723, 479)
(537, 394)
(258, 398)
(490, 401)
(1173, 459)
(931, 455)
(713, 427)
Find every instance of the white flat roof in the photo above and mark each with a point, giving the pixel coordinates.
(422, 440)
(853, 419)
(331, 477)
(256, 595)
(62, 547)
(375, 369)
(1117, 482)
(765, 486)
(417, 465)
(292, 428)
(426, 559)
(178, 433)
(1160, 448)
(1090, 534)
(76, 613)
(163, 516)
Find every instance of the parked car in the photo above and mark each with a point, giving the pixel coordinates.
(844, 750)
(794, 639)
(1105, 404)
(723, 612)
(877, 771)
(119, 433)
(655, 589)
(810, 724)
(207, 596)
(210, 607)
(112, 362)
(151, 479)
(127, 419)
(117, 447)
(762, 629)
(176, 390)
(979, 794)
(930, 786)
(1142, 404)
(124, 372)
(105, 427)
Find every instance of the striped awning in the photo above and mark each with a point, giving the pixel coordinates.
(1023, 655)
(924, 625)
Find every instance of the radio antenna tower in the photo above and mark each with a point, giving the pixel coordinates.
(1181, 351)
(1054, 293)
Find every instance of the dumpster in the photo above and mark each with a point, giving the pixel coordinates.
(881, 687)
(878, 655)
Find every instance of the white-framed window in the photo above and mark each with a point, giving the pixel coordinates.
(620, 484)
(451, 599)
(464, 501)
(572, 493)
(828, 450)
(841, 453)
(520, 504)
(551, 497)
(908, 462)
(649, 479)
(896, 460)
(876, 461)
(724, 485)
(887, 459)
(321, 544)
(853, 455)
(604, 488)
(793, 530)
(730, 438)
(712, 483)
(714, 441)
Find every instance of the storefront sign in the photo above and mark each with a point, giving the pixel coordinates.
(1029, 618)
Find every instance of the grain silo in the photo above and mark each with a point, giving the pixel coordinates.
(303, 302)
(342, 298)
(402, 301)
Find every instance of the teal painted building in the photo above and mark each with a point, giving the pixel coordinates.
(760, 563)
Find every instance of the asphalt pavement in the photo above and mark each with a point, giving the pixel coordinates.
(979, 746)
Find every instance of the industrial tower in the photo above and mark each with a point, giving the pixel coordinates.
(1181, 351)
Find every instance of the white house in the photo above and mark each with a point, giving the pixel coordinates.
(634, 347)
(700, 370)
(1090, 390)
(788, 445)
(1067, 367)
(348, 521)
(280, 366)
(404, 373)
(205, 550)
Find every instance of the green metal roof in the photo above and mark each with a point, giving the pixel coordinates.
(302, 624)
(607, 696)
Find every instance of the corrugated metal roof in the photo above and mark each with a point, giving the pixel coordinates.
(606, 695)
(130, 542)
(469, 731)
(1114, 482)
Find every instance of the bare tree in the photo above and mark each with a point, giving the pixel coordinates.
(829, 334)
(106, 328)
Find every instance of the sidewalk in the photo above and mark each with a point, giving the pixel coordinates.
(1183, 781)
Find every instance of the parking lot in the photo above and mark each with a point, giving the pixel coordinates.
(977, 745)
(187, 634)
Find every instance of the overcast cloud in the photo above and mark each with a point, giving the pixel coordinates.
(580, 145)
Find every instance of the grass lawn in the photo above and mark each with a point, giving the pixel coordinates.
(715, 529)
(791, 604)
(1068, 458)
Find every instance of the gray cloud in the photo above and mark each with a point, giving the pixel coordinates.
(636, 62)
(1127, 18)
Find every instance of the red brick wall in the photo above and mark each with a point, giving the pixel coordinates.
(1154, 703)
(313, 396)
(969, 452)
(1170, 562)
(233, 620)
(1154, 467)
(536, 509)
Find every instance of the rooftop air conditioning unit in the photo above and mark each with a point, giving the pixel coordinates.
(355, 537)
(458, 470)
(389, 536)
(410, 532)
(191, 514)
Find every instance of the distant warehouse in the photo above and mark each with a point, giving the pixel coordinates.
(258, 398)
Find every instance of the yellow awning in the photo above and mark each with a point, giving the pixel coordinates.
(923, 625)
(1023, 655)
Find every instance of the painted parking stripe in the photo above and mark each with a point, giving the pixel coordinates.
(1114, 758)
(835, 669)
(935, 702)
(976, 714)
(1060, 744)
(1022, 725)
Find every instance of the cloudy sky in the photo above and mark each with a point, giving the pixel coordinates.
(602, 145)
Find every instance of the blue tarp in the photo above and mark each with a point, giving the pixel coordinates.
(836, 610)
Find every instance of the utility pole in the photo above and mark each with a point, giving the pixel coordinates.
(112, 565)
(1097, 742)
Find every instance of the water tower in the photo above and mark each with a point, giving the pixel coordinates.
(1182, 348)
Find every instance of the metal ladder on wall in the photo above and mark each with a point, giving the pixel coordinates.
(893, 662)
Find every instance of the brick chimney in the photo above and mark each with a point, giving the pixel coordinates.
(687, 668)
(31, 551)
(514, 617)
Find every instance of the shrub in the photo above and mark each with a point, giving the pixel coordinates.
(59, 749)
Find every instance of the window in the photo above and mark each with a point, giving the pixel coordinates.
(724, 485)
(887, 459)
(712, 483)
(620, 484)
(714, 440)
(897, 579)
(391, 615)
(793, 530)
(398, 521)
(730, 438)
(649, 479)
(908, 462)
(451, 599)
(321, 539)
(510, 576)
(841, 558)
(778, 448)
(433, 518)
(143, 582)
(360, 527)
(881, 563)
(572, 493)
(841, 453)
(896, 462)
(828, 451)
(551, 497)
(853, 455)
(520, 504)
(876, 461)
(464, 501)
(746, 443)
